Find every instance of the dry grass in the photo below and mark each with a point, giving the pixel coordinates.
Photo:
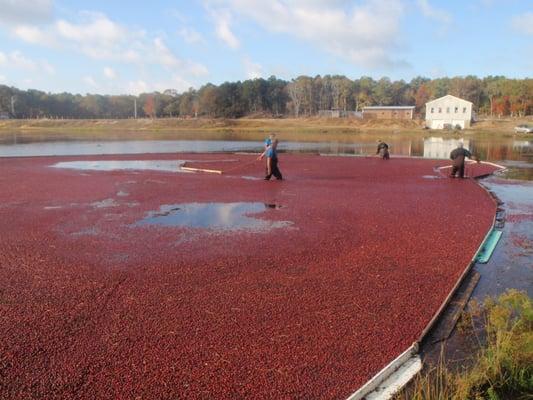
(503, 366)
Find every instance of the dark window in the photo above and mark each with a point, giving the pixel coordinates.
(432, 110)
(456, 110)
(447, 110)
(440, 110)
(464, 110)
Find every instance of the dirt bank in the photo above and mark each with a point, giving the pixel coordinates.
(243, 124)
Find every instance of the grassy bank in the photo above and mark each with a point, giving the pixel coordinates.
(502, 368)
(174, 127)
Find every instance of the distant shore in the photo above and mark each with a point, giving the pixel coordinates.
(293, 126)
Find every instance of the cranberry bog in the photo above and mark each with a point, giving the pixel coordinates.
(118, 284)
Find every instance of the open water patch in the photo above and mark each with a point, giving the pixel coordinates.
(215, 216)
(115, 165)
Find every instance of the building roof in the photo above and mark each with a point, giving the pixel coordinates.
(448, 95)
(388, 108)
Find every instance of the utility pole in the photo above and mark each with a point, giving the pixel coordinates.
(135, 108)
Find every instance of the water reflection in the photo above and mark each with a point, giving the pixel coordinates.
(438, 147)
(214, 216)
(430, 147)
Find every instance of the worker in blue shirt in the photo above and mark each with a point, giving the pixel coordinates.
(271, 144)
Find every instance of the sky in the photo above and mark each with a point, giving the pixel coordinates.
(119, 47)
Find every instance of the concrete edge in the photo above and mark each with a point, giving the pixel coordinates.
(386, 372)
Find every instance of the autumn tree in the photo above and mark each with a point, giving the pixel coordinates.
(421, 98)
(149, 106)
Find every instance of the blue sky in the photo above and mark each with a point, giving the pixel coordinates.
(114, 47)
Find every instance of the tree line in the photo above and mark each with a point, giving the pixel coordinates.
(273, 97)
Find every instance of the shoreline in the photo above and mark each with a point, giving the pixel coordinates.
(298, 126)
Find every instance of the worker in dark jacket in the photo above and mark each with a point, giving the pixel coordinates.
(458, 156)
(383, 150)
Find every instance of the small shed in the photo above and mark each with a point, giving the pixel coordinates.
(337, 113)
(448, 112)
(333, 113)
(388, 112)
(4, 115)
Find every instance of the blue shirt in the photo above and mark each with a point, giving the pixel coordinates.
(270, 151)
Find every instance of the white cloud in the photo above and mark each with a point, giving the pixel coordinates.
(191, 36)
(96, 29)
(164, 55)
(3, 79)
(48, 68)
(523, 23)
(15, 12)
(137, 87)
(94, 35)
(252, 70)
(17, 60)
(196, 69)
(222, 21)
(89, 81)
(434, 13)
(110, 73)
(100, 38)
(365, 33)
(34, 35)
(177, 82)
(178, 15)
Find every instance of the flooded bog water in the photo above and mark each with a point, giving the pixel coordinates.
(510, 265)
(214, 216)
(438, 146)
(519, 173)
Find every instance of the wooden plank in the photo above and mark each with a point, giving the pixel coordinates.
(449, 318)
(212, 171)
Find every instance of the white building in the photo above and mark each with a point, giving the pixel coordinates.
(448, 112)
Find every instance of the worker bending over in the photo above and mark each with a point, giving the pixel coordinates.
(383, 150)
(458, 157)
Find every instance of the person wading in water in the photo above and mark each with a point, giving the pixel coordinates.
(271, 154)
